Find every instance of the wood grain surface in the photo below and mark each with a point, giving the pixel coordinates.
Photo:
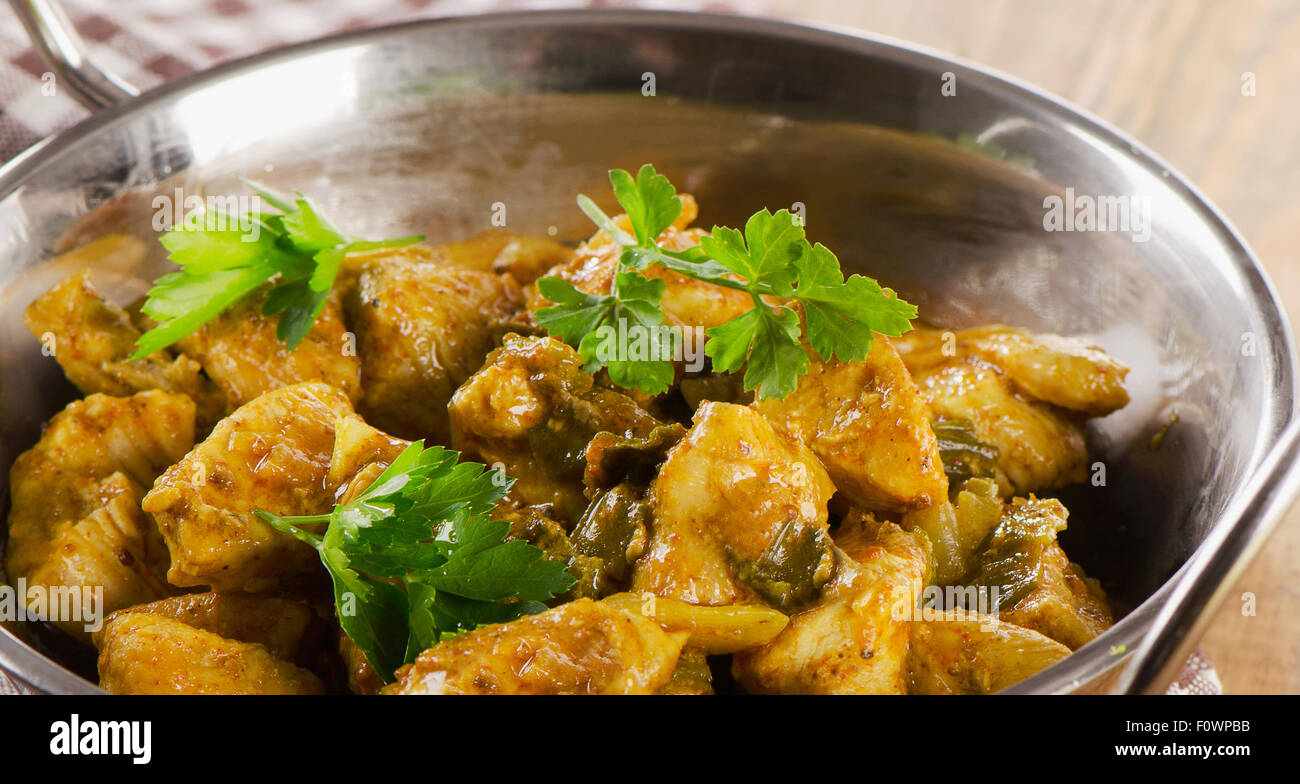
(1171, 73)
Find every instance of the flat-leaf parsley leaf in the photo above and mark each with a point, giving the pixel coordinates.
(772, 260)
(416, 557)
(224, 258)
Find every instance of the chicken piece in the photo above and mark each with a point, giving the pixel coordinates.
(423, 329)
(1038, 587)
(115, 549)
(55, 482)
(75, 517)
(854, 640)
(476, 253)
(274, 454)
(534, 410)
(150, 653)
(686, 302)
(1065, 372)
(528, 258)
(739, 515)
(493, 251)
(868, 425)
(1024, 394)
(583, 647)
(861, 536)
(360, 455)
(525, 258)
(1038, 447)
(240, 351)
(287, 629)
(92, 339)
(354, 264)
(957, 652)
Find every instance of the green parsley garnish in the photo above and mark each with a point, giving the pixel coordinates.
(415, 557)
(224, 258)
(771, 258)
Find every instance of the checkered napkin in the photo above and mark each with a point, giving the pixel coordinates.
(147, 42)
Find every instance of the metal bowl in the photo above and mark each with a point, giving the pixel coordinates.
(432, 126)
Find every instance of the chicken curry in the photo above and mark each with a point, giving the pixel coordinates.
(403, 468)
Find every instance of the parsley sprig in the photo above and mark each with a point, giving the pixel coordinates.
(771, 260)
(416, 557)
(224, 258)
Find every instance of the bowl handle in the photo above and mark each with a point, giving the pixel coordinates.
(66, 55)
(1213, 570)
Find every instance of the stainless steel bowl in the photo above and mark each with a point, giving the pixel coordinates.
(426, 126)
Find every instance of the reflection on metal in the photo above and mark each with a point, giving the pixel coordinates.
(67, 57)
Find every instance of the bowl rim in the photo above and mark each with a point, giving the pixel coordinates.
(37, 671)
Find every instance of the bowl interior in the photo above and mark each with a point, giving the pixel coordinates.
(437, 127)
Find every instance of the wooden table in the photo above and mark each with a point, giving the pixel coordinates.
(1169, 72)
